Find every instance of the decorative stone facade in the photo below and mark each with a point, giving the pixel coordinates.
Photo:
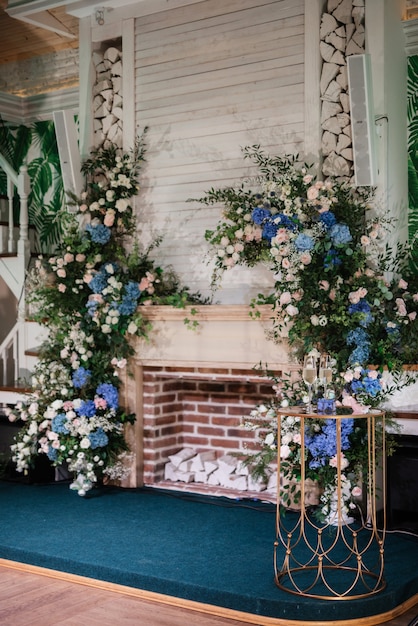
(107, 95)
(342, 34)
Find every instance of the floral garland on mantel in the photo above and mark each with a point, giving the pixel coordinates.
(339, 289)
(89, 295)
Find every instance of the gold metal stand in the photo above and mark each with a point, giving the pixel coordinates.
(343, 560)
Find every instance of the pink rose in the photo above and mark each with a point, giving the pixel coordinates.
(68, 257)
(61, 273)
(365, 241)
(298, 295)
(305, 258)
(62, 288)
(353, 297)
(144, 284)
(109, 218)
(312, 193)
(281, 236)
(292, 310)
(285, 298)
(412, 315)
(356, 492)
(402, 284)
(332, 294)
(286, 263)
(355, 406)
(400, 304)
(324, 284)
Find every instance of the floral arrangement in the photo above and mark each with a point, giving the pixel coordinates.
(339, 289)
(89, 294)
(324, 242)
(320, 441)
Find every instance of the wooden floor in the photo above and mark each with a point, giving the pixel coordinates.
(31, 596)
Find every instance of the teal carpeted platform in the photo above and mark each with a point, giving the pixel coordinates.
(213, 550)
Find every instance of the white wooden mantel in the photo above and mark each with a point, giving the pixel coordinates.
(225, 337)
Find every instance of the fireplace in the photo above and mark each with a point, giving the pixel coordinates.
(192, 389)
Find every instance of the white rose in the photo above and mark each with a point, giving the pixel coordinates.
(122, 204)
(85, 443)
(270, 439)
(285, 452)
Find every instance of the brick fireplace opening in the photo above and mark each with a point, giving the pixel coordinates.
(198, 408)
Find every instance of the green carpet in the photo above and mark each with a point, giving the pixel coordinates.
(213, 550)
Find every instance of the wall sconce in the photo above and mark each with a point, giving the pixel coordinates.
(99, 15)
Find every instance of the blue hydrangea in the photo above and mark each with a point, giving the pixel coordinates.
(92, 307)
(269, 230)
(80, 377)
(360, 354)
(362, 306)
(87, 408)
(59, 424)
(323, 445)
(99, 233)
(340, 234)
(260, 214)
(357, 336)
(328, 219)
(52, 454)
(98, 282)
(372, 386)
(331, 259)
(109, 393)
(98, 439)
(284, 221)
(129, 299)
(303, 242)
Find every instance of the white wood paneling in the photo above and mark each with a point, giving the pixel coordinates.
(211, 78)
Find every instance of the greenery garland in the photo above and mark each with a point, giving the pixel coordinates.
(89, 295)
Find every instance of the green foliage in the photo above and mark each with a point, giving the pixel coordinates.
(325, 245)
(91, 295)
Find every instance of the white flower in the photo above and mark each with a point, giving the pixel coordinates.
(122, 204)
(33, 428)
(132, 328)
(285, 452)
(270, 439)
(85, 443)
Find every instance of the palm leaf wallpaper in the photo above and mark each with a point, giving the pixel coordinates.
(412, 112)
(46, 198)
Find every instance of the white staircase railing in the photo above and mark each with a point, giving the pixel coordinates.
(14, 262)
(9, 351)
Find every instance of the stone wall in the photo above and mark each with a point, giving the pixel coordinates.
(107, 95)
(342, 34)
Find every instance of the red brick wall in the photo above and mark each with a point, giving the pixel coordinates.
(197, 408)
